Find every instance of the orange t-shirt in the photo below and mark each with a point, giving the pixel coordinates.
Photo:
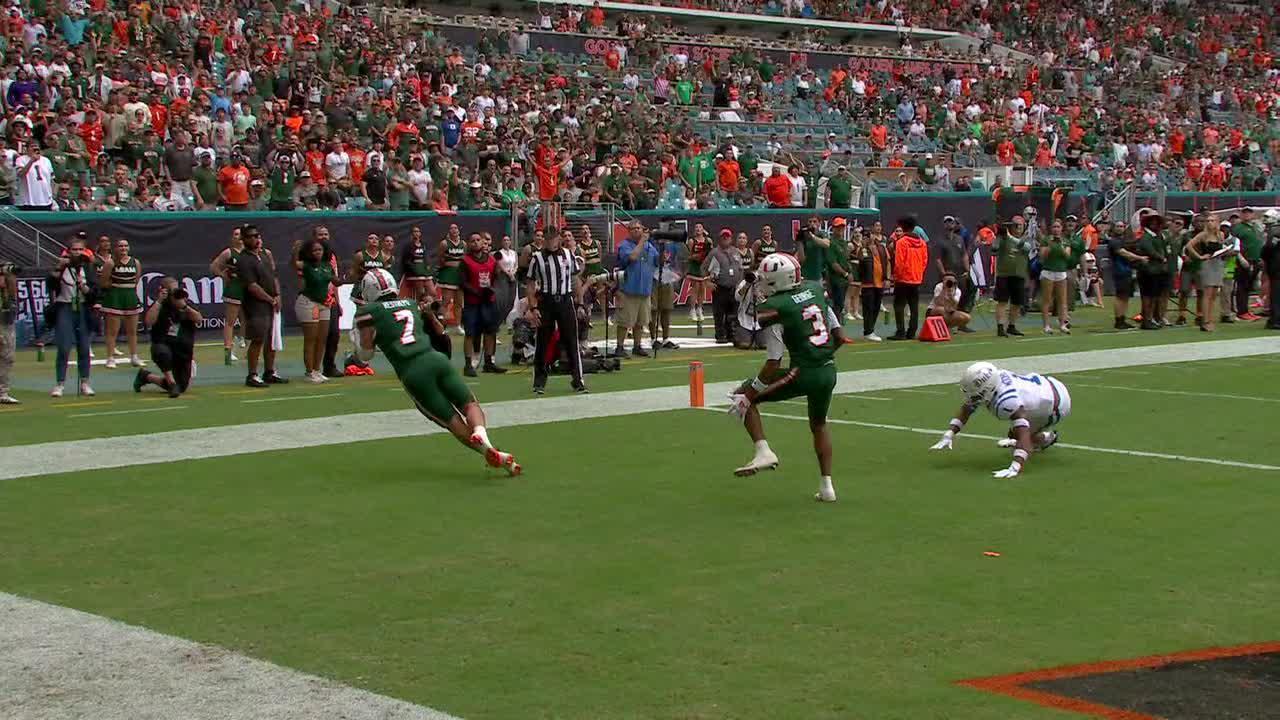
(235, 184)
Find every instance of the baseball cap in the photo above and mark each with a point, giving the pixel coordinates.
(304, 174)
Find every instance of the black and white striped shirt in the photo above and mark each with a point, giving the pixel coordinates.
(553, 271)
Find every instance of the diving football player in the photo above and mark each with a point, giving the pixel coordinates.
(395, 327)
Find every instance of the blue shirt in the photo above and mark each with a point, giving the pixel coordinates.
(451, 132)
(637, 275)
(73, 30)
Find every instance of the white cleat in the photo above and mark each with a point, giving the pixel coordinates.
(1048, 439)
(86, 390)
(873, 338)
(117, 353)
(1007, 443)
(111, 363)
(56, 391)
(136, 361)
(825, 496)
(763, 461)
(7, 399)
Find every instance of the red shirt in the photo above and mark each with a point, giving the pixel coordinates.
(92, 134)
(358, 157)
(777, 189)
(315, 166)
(477, 279)
(235, 184)
(1004, 153)
(728, 173)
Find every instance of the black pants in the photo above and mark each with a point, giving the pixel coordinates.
(968, 292)
(1273, 322)
(839, 291)
(328, 367)
(872, 297)
(557, 312)
(906, 297)
(724, 308)
(1244, 284)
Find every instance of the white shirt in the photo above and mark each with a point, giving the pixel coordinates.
(940, 297)
(798, 186)
(37, 187)
(1042, 399)
(337, 165)
(420, 185)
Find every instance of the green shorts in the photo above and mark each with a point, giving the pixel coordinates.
(814, 384)
(436, 387)
(233, 292)
(449, 278)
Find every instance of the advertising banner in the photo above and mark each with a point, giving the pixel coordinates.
(697, 52)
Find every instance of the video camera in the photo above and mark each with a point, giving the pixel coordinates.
(676, 231)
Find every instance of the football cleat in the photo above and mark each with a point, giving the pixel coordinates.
(1048, 439)
(1006, 443)
(763, 461)
(505, 461)
(825, 496)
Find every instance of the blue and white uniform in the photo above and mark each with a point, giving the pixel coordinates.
(1044, 400)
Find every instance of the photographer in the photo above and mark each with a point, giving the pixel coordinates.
(72, 288)
(8, 332)
(173, 321)
(946, 304)
(637, 258)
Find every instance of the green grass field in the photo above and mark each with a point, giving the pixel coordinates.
(628, 574)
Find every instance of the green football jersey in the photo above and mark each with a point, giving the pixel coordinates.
(802, 313)
(398, 331)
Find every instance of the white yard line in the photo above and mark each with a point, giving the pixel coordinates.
(1185, 393)
(128, 412)
(1090, 448)
(60, 663)
(921, 392)
(293, 397)
(178, 445)
(1129, 372)
(865, 397)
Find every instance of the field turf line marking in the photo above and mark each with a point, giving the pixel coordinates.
(1089, 448)
(56, 662)
(1187, 393)
(128, 412)
(864, 397)
(86, 403)
(922, 392)
(1129, 372)
(214, 442)
(293, 397)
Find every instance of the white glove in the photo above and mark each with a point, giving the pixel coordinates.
(945, 443)
(739, 407)
(1006, 443)
(1009, 472)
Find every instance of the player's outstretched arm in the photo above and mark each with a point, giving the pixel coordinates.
(1020, 429)
(957, 424)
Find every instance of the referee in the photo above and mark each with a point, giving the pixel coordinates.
(553, 288)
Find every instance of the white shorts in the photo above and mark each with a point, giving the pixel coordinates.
(1054, 275)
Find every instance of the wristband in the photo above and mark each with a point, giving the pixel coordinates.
(1022, 423)
(1019, 457)
(948, 435)
(758, 386)
(956, 425)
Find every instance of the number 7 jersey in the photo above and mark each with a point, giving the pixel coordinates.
(398, 331)
(1043, 400)
(805, 325)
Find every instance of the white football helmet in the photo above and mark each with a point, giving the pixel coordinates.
(979, 381)
(779, 272)
(376, 284)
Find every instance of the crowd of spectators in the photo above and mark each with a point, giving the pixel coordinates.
(115, 105)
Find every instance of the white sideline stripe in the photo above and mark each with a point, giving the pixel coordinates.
(177, 445)
(129, 412)
(1089, 448)
(1187, 393)
(1130, 372)
(56, 662)
(921, 392)
(293, 397)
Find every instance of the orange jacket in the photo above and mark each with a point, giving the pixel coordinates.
(910, 258)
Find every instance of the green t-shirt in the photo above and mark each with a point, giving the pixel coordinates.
(281, 181)
(315, 281)
(206, 181)
(815, 259)
(1250, 240)
(838, 255)
(398, 331)
(1160, 251)
(684, 92)
(1057, 259)
(1011, 256)
(841, 191)
(1078, 248)
(802, 313)
(513, 196)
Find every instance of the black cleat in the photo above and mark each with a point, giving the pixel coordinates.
(139, 380)
(254, 381)
(469, 370)
(275, 379)
(1013, 331)
(493, 369)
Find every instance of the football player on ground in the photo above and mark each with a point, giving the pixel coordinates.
(1033, 404)
(395, 327)
(794, 316)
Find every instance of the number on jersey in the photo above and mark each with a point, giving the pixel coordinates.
(820, 334)
(406, 318)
